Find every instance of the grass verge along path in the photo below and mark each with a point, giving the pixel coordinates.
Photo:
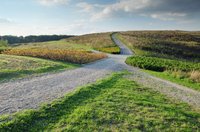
(167, 76)
(19, 66)
(112, 104)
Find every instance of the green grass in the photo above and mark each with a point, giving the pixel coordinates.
(182, 81)
(17, 66)
(61, 44)
(161, 64)
(112, 104)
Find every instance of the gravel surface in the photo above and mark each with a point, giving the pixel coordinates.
(32, 92)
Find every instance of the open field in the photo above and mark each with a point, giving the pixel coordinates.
(73, 56)
(98, 41)
(61, 45)
(173, 52)
(120, 105)
(18, 66)
(165, 44)
(101, 42)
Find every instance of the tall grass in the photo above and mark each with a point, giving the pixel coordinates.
(165, 44)
(79, 57)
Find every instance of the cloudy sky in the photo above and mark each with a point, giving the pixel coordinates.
(25, 17)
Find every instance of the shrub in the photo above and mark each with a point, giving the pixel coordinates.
(111, 50)
(79, 57)
(159, 64)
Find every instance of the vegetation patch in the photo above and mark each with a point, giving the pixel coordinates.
(61, 45)
(111, 50)
(3, 45)
(73, 56)
(165, 44)
(113, 104)
(181, 72)
(177, 77)
(99, 41)
(19, 66)
(160, 64)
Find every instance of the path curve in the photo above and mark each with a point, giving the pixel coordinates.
(124, 50)
(32, 92)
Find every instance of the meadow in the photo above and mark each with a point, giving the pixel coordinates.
(164, 44)
(181, 72)
(171, 55)
(72, 56)
(67, 50)
(99, 41)
(112, 104)
(19, 66)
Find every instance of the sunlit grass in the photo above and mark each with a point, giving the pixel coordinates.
(112, 104)
(18, 66)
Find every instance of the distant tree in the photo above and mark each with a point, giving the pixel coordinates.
(32, 38)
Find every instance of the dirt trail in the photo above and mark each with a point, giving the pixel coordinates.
(32, 92)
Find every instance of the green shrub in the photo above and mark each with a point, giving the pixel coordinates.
(3, 43)
(159, 64)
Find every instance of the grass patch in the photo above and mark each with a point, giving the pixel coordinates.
(165, 44)
(18, 66)
(160, 64)
(170, 77)
(61, 45)
(112, 104)
(99, 41)
(72, 56)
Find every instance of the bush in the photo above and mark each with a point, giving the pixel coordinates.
(159, 64)
(79, 57)
(111, 50)
(3, 43)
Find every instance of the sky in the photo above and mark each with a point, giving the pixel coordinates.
(76, 17)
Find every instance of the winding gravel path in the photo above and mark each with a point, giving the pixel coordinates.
(32, 92)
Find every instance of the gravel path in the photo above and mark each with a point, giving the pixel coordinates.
(32, 92)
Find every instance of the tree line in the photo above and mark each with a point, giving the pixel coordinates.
(32, 38)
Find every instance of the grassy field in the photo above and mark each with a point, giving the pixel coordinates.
(98, 41)
(101, 42)
(176, 78)
(173, 52)
(164, 44)
(181, 72)
(72, 56)
(61, 45)
(112, 104)
(17, 66)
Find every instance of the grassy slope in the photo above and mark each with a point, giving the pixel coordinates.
(174, 45)
(182, 81)
(98, 41)
(18, 66)
(61, 44)
(165, 44)
(101, 41)
(113, 104)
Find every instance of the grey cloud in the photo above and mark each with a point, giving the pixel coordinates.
(158, 9)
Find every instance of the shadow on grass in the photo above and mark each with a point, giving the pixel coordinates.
(7, 75)
(52, 113)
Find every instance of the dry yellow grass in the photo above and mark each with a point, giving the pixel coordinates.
(79, 57)
(195, 76)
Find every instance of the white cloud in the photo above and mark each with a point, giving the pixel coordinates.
(156, 9)
(168, 16)
(85, 6)
(122, 6)
(53, 2)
